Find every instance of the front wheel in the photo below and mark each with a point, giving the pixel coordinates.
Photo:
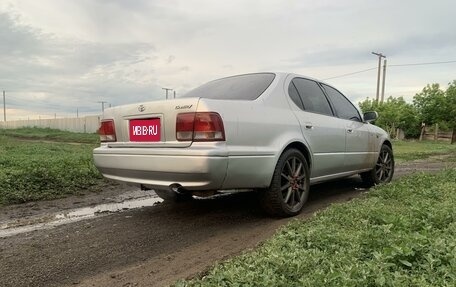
(289, 187)
(383, 170)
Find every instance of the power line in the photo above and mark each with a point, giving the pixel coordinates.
(4, 107)
(349, 74)
(421, 64)
(384, 80)
(167, 90)
(380, 56)
(396, 65)
(102, 106)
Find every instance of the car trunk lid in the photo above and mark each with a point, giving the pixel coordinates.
(150, 124)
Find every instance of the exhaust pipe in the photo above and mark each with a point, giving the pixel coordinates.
(177, 188)
(145, 188)
(173, 192)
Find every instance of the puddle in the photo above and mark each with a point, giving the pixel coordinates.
(52, 220)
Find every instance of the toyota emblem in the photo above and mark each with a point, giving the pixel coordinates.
(141, 108)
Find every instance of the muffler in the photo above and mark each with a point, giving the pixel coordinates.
(177, 188)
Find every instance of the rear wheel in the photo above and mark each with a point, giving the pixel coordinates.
(383, 170)
(171, 196)
(289, 187)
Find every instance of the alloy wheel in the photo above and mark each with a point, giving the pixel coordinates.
(384, 166)
(293, 183)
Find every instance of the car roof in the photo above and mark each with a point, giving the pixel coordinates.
(281, 75)
(284, 74)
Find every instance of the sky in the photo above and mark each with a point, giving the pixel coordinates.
(57, 57)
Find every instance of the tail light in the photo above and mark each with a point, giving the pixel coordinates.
(199, 127)
(107, 131)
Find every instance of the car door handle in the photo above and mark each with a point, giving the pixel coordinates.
(349, 131)
(309, 126)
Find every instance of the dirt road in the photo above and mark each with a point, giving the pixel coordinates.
(149, 246)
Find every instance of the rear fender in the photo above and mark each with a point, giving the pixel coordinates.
(294, 141)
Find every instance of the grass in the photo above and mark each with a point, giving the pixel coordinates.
(46, 134)
(401, 234)
(37, 163)
(413, 150)
(33, 170)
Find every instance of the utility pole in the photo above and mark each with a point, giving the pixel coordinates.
(166, 89)
(380, 56)
(384, 80)
(102, 106)
(77, 112)
(4, 107)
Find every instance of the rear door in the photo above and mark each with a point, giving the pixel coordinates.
(357, 148)
(324, 132)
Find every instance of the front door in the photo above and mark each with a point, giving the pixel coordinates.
(324, 133)
(357, 148)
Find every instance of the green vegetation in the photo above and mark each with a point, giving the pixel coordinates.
(38, 163)
(436, 106)
(395, 113)
(431, 106)
(33, 170)
(401, 234)
(46, 134)
(412, 150)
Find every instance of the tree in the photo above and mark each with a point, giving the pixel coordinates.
(450, 111)
(430, 104)
(436, 106)
(394, 113)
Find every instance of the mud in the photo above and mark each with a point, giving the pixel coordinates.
(154, 245)
(46, 221)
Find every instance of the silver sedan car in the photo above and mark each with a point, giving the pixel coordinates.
(277, 133)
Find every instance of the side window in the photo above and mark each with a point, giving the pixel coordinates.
(343, 107)
(313, 98)
(295, 96)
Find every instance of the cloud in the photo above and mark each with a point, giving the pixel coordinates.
(170, 59)
(418, 46)
(17, 41)
(59, 55)
(46, 73)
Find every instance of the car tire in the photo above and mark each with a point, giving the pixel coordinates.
(171, 196)
(289, 187)
(384, 168)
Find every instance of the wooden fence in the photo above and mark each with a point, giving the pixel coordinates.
(433, 133)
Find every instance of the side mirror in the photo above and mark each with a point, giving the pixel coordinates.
(370, 116)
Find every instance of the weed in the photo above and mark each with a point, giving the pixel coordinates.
(43, 170)
(412, 150)
(47, 134)
(401, 234)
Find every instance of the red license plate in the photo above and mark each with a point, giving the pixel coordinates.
(145, 130)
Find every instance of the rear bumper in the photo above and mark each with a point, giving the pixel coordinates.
(196, 170)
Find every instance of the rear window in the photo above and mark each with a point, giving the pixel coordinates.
(243, 87)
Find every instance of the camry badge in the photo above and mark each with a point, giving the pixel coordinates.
(141, 108)
(183, 107)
